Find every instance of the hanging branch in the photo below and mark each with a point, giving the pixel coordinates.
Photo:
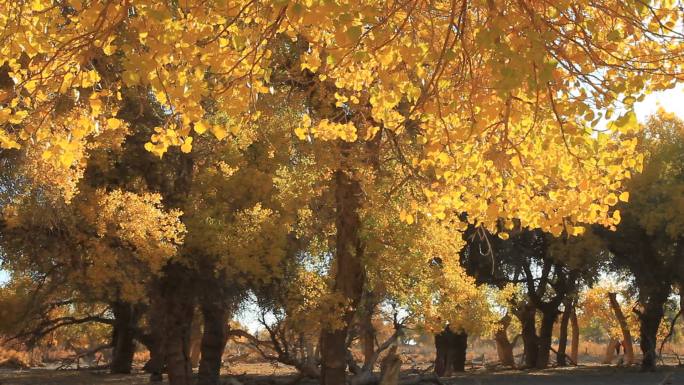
(669, 333)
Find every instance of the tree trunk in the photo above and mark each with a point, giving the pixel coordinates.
(157, 322)
(367, 330)
(450, 350)
(123, 338)
(195, 339)
(460, 349)
(545, 337)
(610, 351)
(390, 368)
(574, 347)
(348, 277)
(179, 302)
(213, 341)
(441, 349)
(529, 335)
(650, 318)
(626, 334)
(504, 347)
(561, 357)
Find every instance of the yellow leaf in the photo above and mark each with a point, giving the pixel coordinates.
(113, 123)
(186, 147)
(578, 230)
(37, 5)
(67, 159)
(219, 132)
(624, 197)
(18, 117)
(200, 127)
(616, 217)
(109, 48)
(301, 133)
(611, 200)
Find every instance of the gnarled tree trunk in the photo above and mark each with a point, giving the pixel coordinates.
(348, 273)
(529, 335)
(450, 350)
(367, 330)
(650, 318)
(545, 336)
(179, 301)
(157, 321)
(504, 347)
(626, 334)
(213, 340)
(125, 320)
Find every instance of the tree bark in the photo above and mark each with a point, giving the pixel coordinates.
(348, 276)
(390, 368)
(157, 322)
(561, 357)
(450, 350)
(367, 330)
(461, 347)
(574, 347)
(545, 337)
(179, 302)
(529, 335)
(123, 337)
(504, 347)
(610, 351)
(626, 334)
(213, 341)
(650, 318)
(195, 339)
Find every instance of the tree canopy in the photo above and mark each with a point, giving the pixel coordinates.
(332, 158)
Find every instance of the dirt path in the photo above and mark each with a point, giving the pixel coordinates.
(575, 376)
(570, 376)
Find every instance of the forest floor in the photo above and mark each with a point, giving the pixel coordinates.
(266, 374)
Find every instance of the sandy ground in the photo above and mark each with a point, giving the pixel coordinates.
(255, 374)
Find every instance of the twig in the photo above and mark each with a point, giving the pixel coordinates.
(669, 333)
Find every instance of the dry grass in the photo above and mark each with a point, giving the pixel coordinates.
(12, 359)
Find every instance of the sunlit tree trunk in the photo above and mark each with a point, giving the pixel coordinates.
(195, 339)
(626, 334)
(390, 368)
(561, 357)
(574, 347)
(348, 273)
(609, 356)
(504, 347)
